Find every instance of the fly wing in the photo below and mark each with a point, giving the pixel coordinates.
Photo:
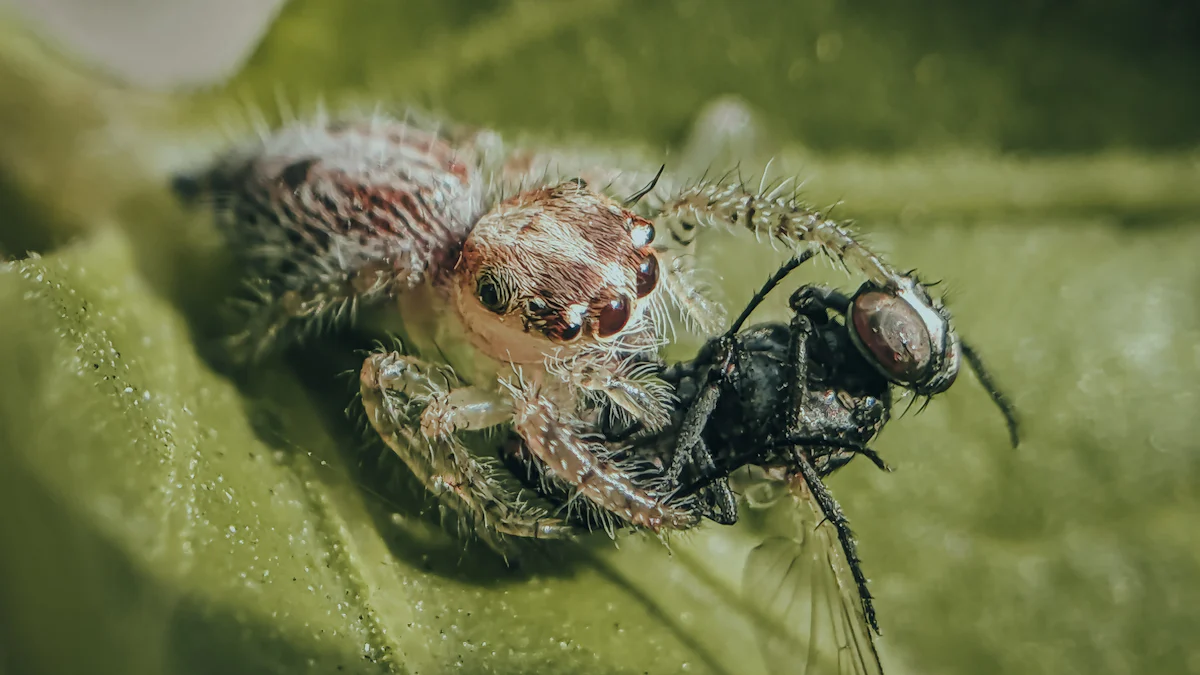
(812, 613)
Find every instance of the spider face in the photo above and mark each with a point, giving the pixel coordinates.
(905, 335)
(560, 264)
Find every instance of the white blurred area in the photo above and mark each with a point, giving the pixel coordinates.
(158, 44)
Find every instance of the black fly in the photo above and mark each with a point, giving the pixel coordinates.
(798, 401)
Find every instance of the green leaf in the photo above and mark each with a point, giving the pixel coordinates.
(161, 517)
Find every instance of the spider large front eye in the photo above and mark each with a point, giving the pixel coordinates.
(613, 317)
(894, 334)
(647, 275)
(490, 294)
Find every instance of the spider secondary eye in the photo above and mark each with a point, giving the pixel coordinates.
(642, 235)
(894, 334)
(613, 317)
(490, 295)
(647, 275)
(569, 331)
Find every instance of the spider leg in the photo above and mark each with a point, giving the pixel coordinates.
(635, 390)
(735, 205)
(684, 287)
(555, 439)
(274, 309)
(394, 390)
(446, 408)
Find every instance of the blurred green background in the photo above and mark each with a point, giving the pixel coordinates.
(1039, 157)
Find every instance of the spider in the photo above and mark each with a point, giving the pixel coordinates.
(531, 285)
(799, 401)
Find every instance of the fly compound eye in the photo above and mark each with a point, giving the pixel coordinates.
(647, 275)
(490, 294)
(613, 317)
(894, 334)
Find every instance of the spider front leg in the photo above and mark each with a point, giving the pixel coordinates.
(633, 389)
(558, 441)
(398, 394)
(734, 205)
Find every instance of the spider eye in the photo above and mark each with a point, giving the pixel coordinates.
(647, 275)
(613, 317)
(569, 331)
(892, 332)
(490, 294)
(642, 234)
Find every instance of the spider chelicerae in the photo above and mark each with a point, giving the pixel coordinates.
(532, 286)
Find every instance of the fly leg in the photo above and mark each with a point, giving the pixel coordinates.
(724, 356)
(832, 512)
(690, 448)
(816, 301)
(397, 394)
(802, 331)
(812, 305)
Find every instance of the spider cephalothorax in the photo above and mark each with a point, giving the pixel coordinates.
(551, 267)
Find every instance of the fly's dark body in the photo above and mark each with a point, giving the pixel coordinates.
(800, 400)
(843, 401)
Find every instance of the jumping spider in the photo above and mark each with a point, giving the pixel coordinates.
(799, 401)
(531, 285)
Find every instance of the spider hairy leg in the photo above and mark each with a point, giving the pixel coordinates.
(636, 391)
(585, 465)
(269, 315)
(735, 205)
(447, 408)
(470, 486)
